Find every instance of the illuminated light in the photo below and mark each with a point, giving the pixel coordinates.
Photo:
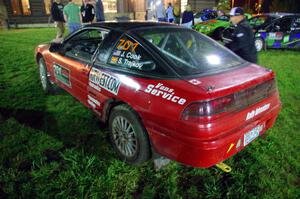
(129, 82)
(231, 146)
(158, 3)
(213, 59)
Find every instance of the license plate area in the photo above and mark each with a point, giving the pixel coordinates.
(252, 134)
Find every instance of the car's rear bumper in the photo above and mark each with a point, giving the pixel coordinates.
(206, 153)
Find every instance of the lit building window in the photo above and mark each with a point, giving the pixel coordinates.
(20, 7)
(26, 7)
(16, 9)
(47, 4)
(110, 6)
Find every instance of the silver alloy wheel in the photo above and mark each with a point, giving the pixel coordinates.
(43, 75)
(124, 136)
(259, 44)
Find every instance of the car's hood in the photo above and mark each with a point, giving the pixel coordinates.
(227, 82)
(212, 22)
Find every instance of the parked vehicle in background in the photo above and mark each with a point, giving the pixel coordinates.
(279, 30)
(213, 27)
(163, 89)
(204, 15)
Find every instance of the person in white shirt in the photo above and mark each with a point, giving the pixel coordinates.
(160, 11)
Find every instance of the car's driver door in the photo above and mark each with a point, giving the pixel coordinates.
(72, 64)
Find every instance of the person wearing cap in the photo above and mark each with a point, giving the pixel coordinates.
(242, 38)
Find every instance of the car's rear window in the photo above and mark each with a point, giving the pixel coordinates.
(189, 51)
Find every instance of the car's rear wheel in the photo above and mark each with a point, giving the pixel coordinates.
(46, 84)
(259, 44)
(128, 136)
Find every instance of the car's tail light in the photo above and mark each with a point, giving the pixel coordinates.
(206, 109)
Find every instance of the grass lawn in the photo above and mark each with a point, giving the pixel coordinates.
(53, 147)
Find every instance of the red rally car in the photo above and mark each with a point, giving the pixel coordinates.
(163, 89)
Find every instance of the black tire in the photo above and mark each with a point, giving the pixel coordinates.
(132, 145)
(259, 44)
(47, 86)
(217, 34)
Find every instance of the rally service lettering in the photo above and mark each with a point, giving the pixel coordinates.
(99, 79)
(165, 93)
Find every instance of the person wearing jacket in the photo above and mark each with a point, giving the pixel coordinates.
(242, 39)
(188, 17)
(87, 12)
(58, 18)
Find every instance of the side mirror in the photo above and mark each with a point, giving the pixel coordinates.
(55, 47)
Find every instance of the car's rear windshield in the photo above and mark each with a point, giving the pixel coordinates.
(190, 52)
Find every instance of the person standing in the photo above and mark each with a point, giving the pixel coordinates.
(176, 12)
(160, 13)
(169, 12)
(98, 9)
(58, 18)
(87, 12)
(188, 17)
(242, 38)
(72, 16)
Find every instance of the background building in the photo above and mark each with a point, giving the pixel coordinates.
(36, 12)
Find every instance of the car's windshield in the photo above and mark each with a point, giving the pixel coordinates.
(260, 20)
(189, 51)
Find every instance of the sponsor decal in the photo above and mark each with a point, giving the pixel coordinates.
(92, 99)
(257, 111)
(116, 53)
(276, 36)
(62, 74)
(91, 104)
(126, 55)
(165, 93)
(127, 44)
(99, 79)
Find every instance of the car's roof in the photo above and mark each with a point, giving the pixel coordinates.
(129, 25)
(280, 14)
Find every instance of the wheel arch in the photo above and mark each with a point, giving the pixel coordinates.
(111, 104)
(38, 56)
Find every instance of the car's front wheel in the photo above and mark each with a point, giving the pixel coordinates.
(128, 136)
(259, 44)
(46, 84)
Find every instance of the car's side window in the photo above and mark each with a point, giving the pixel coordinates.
(283, 25)
(106, 47)
(83, 45)
(129, 54)
(296, 24)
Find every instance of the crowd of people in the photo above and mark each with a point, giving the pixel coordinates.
(172, 14)
(74, 16)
